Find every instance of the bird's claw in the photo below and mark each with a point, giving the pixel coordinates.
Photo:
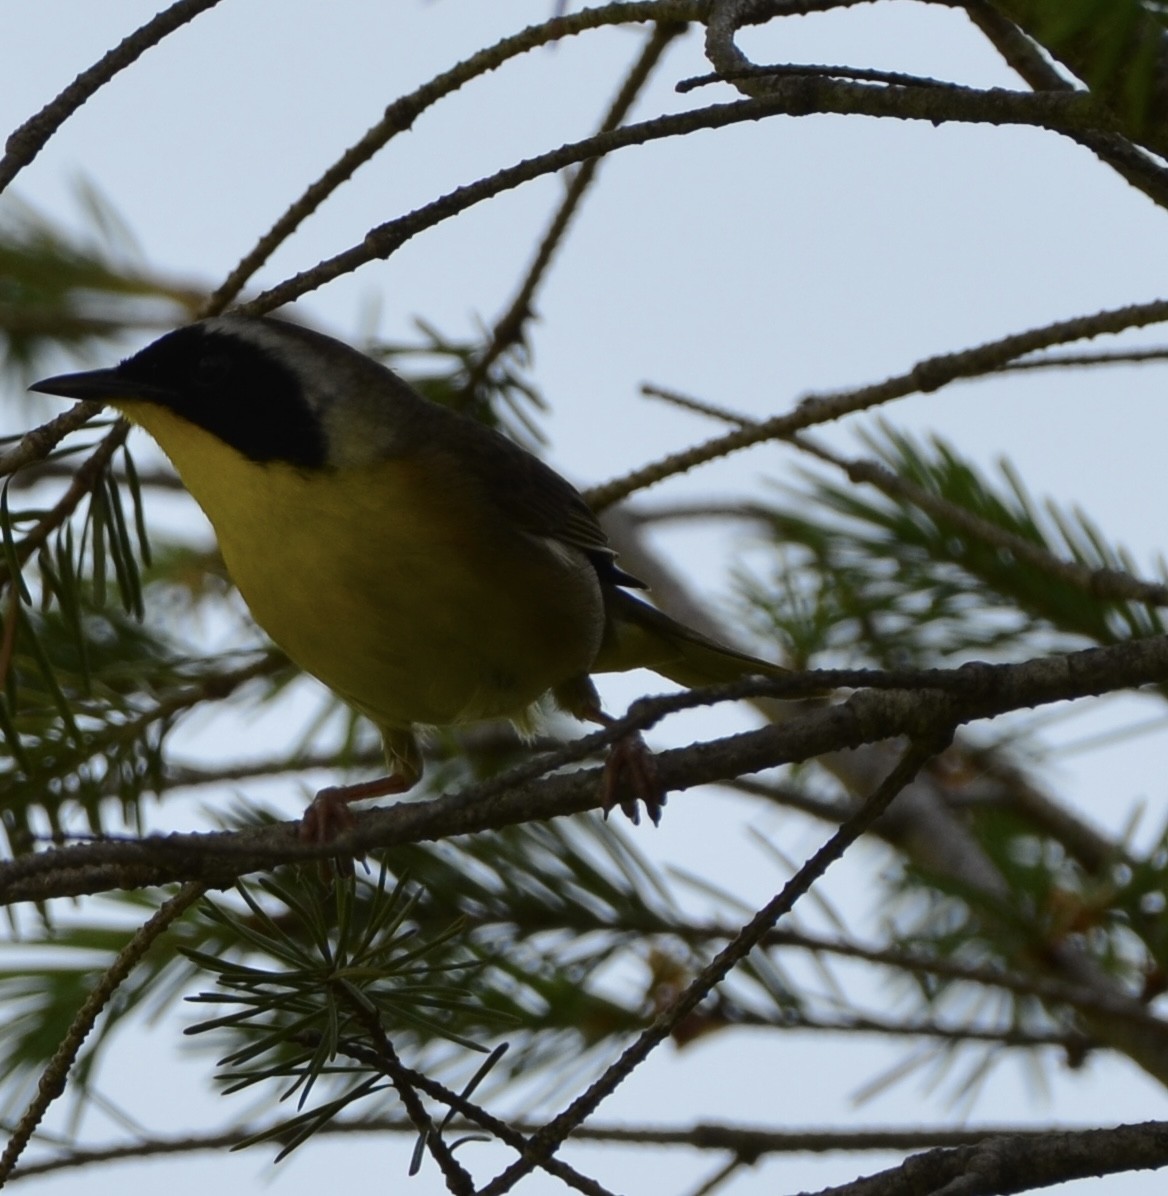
(329, 813)
(327, 816)
(631, 778)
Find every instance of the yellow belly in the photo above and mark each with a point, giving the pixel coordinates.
(393, 585)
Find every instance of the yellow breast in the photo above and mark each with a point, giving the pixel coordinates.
(395, 584)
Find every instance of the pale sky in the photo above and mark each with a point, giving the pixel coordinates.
(745, 266)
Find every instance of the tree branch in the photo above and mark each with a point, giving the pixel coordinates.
(1119, 49)
(1061, 113)
(52, 1083)
(25, 142)
(911, 706)
(749, 1143)
(1018, 1163)
(548, 1139)
(508, 330)
(927, 375)
(404, 111)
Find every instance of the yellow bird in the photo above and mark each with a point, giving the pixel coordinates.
(423, 566)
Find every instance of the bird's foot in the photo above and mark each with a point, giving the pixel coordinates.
(631, 777)
(329, 813)
(630, 772)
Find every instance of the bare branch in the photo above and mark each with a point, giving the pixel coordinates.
(508, 328)
(52, 1083)
(746, 1142)
(1112, 584)
(548, 1139)
(36, 444)
(457, 1178)
(403, 112)
(85, 477)
(1021, 53)
(929, 374)
(912, 706)
(1018, 1163)
(25, 142)
(1061, 113)
(478, 1118)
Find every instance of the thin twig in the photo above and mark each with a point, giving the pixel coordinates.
(547, 1140)
(403, 112)
(1062, 361)
(798, 70)
(1061, 113)
(975, 691)
(926, 376)
(1027, 58)
(60, 469)
(86, 476)
(52, 1082)
(719, 1177)
(36, 444)
(992, 975)
(1110, 584)
(749, 1142)
(478, 1117)
(508, 330)
(29, 139)
(457, 1178)
(1069, 1041)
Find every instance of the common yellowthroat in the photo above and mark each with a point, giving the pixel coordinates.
(423, 566)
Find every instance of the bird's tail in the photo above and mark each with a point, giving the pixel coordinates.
(638, 635)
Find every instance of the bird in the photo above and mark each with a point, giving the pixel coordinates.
(424, 566)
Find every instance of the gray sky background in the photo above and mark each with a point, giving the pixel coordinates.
(745, 266)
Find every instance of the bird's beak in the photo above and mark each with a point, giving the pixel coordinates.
(105, 386)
